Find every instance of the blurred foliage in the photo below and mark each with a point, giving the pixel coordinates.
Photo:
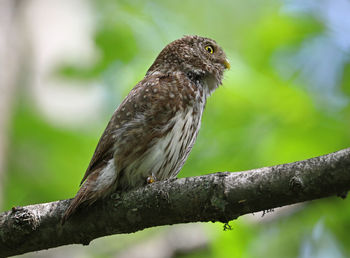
(42, 158)
(257, 118)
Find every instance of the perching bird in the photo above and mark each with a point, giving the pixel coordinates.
(153, 130)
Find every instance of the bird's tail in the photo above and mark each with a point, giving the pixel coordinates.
(97, 185)
(88, 193)
(85, 196)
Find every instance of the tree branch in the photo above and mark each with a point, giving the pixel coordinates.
(215, 197)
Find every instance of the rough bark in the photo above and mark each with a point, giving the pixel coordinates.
(215, 197)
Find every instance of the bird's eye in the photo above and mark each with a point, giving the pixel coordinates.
(210, 49)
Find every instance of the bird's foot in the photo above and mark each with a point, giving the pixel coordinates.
(151, 179)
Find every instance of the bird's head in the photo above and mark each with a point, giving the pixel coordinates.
(198, 57)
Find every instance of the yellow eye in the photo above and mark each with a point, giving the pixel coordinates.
(210, 49)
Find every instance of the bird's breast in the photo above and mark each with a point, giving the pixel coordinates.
(170, 152)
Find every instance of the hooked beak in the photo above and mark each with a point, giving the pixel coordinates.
(226, 63)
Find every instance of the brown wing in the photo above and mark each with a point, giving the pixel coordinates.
(103, 152)
(105, 147)
(139, 119)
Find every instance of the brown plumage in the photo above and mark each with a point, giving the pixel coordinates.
(154, 128)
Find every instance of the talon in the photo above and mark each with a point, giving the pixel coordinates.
(151, 179)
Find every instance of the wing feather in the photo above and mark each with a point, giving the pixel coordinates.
(140, 118)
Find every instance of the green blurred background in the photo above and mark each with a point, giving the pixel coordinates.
(286, 98)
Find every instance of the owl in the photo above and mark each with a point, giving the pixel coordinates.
(151, 134)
